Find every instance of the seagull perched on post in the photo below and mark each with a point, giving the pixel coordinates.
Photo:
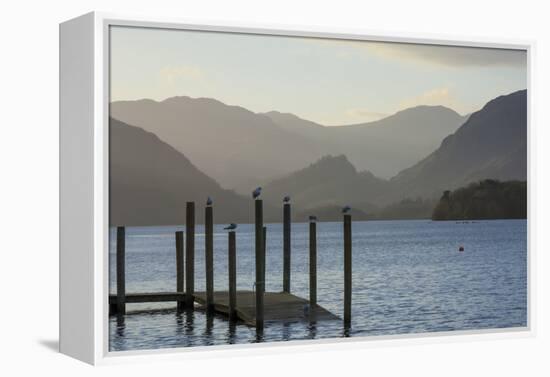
(312, 218)
(256, 193)
(286, 199)
(346, 209)
(231, 226)
(209, 201)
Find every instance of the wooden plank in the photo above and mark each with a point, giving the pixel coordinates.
(209, 255)
(259, 252)
(120, 270)
(179, 267)
(286, 247)
(347, 270)
(150, 297)
(278, 307)
(189, 254)
(232, 264)
(313, 263)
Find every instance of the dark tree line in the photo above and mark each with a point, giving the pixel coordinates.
(487, 199)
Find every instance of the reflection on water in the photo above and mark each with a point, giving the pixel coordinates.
(408, 277)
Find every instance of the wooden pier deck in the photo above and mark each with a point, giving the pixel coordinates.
(278, 306)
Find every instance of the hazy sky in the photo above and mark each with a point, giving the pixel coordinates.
(327, 81)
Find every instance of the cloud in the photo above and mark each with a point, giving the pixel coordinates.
(365, 115)
(435, 55)
(171, 74)
(434, 97)
(452, 56)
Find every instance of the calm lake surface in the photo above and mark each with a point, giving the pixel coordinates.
(408, 277)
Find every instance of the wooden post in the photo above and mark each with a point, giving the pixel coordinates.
(286, 247)
(189, 255)
(179, 267)
(312, 264)
(120, 270)
(232, 251)
(259, 251)
(347, 270)
(264, 250)
(209, 257)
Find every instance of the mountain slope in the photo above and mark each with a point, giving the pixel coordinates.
(491, 144)
(386, 146)
(150, 183)
(329, 182)
(240, 149)
(236, 147)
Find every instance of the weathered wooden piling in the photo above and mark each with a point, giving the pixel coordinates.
(264, 248)
(312, 264)
(232, 264)
(209, 257)
(286, 247)
(264, 257)
(179, 267)
(120, 270)
(189, 255)
(347, 270)
(259, 252)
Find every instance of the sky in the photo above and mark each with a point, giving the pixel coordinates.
(328, 81)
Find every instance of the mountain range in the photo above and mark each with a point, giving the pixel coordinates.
(151, 179)
(150, 183)
(239, 148)
(386, 146)
(492, 143)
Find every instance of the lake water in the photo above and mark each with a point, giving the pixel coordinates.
(408, 277)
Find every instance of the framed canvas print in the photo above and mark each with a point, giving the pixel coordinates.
(228, 187)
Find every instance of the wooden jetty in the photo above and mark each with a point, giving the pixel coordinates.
(278, 306)
(252, 307)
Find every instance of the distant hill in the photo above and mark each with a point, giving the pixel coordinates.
(236, 147)
(150, 183)
(487, 199)
(330, 181)
(491, 144)
(151, 180)
(329, 213)
(240, 149)
(383, 147)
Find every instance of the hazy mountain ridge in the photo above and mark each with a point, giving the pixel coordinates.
(151, 180)
(385, 146)
(237, 147)
(491, 144)
(150, 183)
(234, 146)
(330, 181)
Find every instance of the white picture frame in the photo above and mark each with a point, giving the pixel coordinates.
(84, 202)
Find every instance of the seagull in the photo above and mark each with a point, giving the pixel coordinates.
(231, 226)
(286, 199)
(256, 193)
(346, 209)
(209, 201)
(312, 218)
